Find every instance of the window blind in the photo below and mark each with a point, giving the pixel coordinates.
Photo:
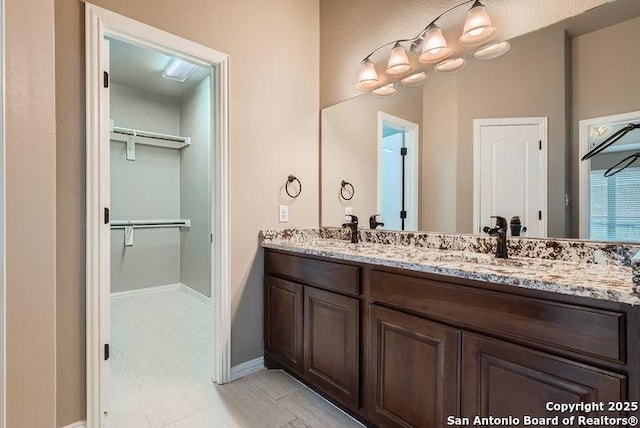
(615, 206)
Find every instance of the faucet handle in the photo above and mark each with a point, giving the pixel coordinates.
(501, 222)
(354, 218)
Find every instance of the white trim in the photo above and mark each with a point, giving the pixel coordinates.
(412, 199)
(145, 290)
(100, 23)
(3, 269)
(81, 424)
(248, 367)
(584, 167)
(195, 294)
(541, 122)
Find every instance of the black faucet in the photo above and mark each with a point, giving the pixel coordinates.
(353, 225)
(373, 223)
(500, 231)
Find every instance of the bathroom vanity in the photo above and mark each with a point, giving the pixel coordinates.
(403, 335)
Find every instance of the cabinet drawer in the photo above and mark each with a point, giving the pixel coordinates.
(327, 275)
(577, 329)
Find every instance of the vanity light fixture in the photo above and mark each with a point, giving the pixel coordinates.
(492, 51)
(450, 65)
(430, 47)
(179, 70)
(385, 91)
(415, 79)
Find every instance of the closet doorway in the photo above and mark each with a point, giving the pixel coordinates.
(158, 310)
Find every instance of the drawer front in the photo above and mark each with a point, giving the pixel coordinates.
(587, 331)
(327, 275)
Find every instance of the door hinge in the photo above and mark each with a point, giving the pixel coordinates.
(106, 351)
(211, 237)
(403, 214)
(539, 215)
(106, 215)
(540, 145)
(105, 79)
(403, 151)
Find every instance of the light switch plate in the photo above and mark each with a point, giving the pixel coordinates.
(284, 213)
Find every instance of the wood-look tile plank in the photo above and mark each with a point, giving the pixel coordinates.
(296, 424)
(276, 383)
(315, 412)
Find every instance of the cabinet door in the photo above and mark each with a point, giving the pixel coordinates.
(501, 379)
(283, 323)
(331, 324)
(413, 370)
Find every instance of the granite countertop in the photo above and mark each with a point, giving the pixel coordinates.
(598, 281)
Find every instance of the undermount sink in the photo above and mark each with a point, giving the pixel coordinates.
(490, 259)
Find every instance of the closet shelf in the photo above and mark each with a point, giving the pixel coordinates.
(150, 224)
(135, 136)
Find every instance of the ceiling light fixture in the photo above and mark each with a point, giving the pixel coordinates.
(492, 51)
(430, 47)
(179, 70)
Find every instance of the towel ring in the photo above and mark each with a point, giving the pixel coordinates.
(290, 180)
(344, 185)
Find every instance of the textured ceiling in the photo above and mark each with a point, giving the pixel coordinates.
(142, 68)
(349, 30)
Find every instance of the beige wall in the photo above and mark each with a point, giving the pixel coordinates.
(605, 82)
(350, 151)
(274, 132)
(352, 29)
(31, 214)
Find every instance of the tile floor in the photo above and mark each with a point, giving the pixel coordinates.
(160, 359)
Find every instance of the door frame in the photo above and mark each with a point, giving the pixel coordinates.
(542, 123)
(99, 23)
(3, 270)
(584, 196)
(414, 130)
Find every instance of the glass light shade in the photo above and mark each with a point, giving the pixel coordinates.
(398, 61)
(415, 79)
(435, 46)
(492, 51)
(385, 91)
(477, 27)
(368, 78)
(450, 65)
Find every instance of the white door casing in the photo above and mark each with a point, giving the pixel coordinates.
(510, 172)
(100, 23)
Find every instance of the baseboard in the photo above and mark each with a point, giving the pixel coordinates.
(81, 424)
(247, 368)
(146, 290)
(201, 297)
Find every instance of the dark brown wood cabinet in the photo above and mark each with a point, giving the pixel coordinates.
(284, 323)
(502, 379)
(331, 331)
(413, 370)
(397, 348)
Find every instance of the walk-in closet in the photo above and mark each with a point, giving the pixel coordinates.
(160, 219)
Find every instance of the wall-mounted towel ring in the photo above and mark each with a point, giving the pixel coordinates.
(290, 180)
(343, 186)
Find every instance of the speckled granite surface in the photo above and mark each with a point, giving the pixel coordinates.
(635, 266)
(568, 267)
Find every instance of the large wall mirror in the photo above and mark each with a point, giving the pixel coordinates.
(499, 137)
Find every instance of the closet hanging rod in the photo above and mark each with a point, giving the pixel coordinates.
(149, 134)
(148, 224)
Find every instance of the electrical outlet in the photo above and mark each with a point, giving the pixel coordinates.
(284, 213)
